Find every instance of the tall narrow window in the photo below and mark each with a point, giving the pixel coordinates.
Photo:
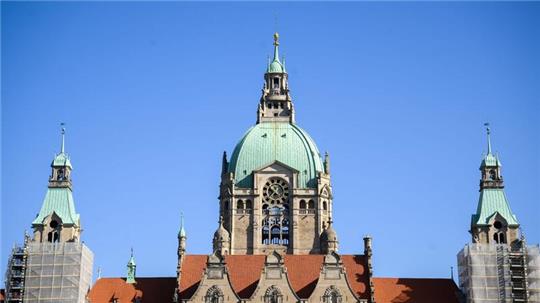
(276, 83)
(240, 204)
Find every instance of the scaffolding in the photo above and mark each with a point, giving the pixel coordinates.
(15, 274)
(490, 273)
(57, 272)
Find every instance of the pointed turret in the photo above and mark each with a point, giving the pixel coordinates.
(327, 163)
(181, 237)
(222, 239)
(131, 269)
(276, 104)
(494, 221)
(57, 220)
(329, 240)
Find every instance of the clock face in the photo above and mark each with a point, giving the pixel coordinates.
(276, 191)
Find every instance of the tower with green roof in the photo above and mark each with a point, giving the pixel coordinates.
(494, 221)
(57, 221)
(131, 269)
(58, 265)
(498, 266)
(275, 191)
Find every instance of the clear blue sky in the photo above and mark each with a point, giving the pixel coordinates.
(152, 93)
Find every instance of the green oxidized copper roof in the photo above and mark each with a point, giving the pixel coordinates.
(62, 159)
(492, 201)
(268, 142)
(276, 66)
(490, 160)
(60, 201)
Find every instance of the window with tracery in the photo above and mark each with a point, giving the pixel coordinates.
(275, 223)
(214, 295)
(332, 295)
(273, 295)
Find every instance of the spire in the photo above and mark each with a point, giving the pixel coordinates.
(63, 131)
(276, 47)
(327, 163)
(488, 131)
(182, 232)
(224, 163)
(131, 269)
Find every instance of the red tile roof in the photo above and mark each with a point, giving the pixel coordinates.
(303, 272)
(151, 290)
(407, 290)
(2, 297)
(245, 271)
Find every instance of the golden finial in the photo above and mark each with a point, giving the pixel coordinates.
(276, 38)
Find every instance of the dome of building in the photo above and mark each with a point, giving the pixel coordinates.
(221, 234)
(275, 67)
(329, 234)
(266, 143)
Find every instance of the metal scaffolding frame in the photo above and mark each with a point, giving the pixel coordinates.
(57, 272)
(490, 273)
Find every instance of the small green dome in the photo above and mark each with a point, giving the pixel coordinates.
(275, 67)
(268, 142)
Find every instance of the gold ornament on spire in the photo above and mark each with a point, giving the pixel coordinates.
(276, 38)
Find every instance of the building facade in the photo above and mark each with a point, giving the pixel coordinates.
(498, 266)
(275, 191)
(53, 265)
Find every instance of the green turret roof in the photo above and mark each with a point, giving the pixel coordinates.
(268, 142)
(61, 159)
(491, 202)
(182, 232)
(60, 201)
(276, 66)
(131, 269)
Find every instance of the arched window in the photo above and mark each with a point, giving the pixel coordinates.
(273, 295)
(53, 237)
(60, 175)
(492, 174)
(302, 204)
(248, 204)
(332, 295)
(240, 204)
(311, 204)
(499, 238)
(275, 227)
(213, 295)
(324, 205)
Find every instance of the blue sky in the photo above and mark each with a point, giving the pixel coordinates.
(152, 93)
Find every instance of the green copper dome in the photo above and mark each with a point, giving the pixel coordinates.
(268, 142)
(275, 67)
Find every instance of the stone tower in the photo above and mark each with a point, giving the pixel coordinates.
(56, 266)
(57, 220)
(275, 191)
(498, 266)
(494, 221)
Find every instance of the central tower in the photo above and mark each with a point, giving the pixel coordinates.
(275, 191)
